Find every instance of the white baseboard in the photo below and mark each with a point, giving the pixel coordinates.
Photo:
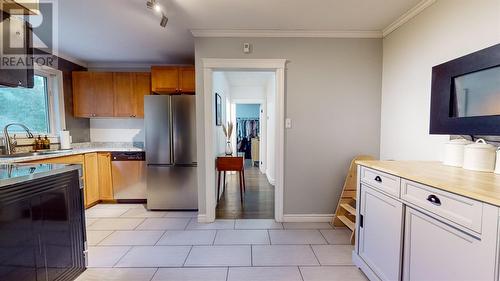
(202, 218)
(308, 218)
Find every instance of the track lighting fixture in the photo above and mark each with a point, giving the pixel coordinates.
(164, 20)
(153, 5)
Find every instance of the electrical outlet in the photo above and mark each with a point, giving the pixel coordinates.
(288, 123)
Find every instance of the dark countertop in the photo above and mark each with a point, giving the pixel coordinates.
(18, 173)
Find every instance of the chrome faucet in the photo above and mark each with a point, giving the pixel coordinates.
(9, 146)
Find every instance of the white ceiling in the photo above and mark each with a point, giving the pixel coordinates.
(125, 31)
(248, 78)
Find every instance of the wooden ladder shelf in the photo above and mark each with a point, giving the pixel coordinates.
(345, 215)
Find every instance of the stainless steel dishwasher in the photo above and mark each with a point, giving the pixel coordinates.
(129, 175)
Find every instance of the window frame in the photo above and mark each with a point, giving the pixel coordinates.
(55, 103)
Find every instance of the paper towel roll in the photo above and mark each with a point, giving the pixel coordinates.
(65, 139)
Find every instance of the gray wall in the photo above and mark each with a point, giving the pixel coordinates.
(332, 94)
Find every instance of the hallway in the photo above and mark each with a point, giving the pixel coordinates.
(258, 200)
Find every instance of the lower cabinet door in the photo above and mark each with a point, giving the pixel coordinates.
(437, 251)
(380, 233)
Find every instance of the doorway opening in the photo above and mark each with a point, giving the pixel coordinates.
(248, 103)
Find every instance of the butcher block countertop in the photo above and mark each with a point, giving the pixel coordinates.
(481, 186)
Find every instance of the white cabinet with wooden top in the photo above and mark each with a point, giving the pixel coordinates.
(425, 222)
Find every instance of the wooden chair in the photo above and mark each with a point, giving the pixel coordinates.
(345, 215)
(231, 163)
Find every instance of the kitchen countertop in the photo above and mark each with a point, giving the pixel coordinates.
(17, 173)
(70, 152)
(481, 186)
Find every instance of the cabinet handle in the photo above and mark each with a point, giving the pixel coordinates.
(434, 200)
(378, 179)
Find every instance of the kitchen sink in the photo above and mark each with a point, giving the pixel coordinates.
(17, 155)
(35, 153)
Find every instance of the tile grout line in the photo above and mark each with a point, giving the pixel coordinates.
(185, 260)
(156, 271)
(326, 240)
(189, 222)
(143, 221)
(215, 237)
(100, 241)
(317, 259)
(300, 272)
(251, 255)
(118, 261)
(159, 239)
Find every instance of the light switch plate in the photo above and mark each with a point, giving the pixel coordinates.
(246, 48)
(288, 123)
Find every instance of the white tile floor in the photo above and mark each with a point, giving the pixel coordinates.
(129, 243)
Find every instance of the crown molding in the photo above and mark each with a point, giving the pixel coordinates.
(410, 14)
(285, 33)
(71, 59)
(129, 65)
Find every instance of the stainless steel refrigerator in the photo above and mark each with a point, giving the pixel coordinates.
(170, 127)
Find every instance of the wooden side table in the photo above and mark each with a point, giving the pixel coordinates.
(231, 164)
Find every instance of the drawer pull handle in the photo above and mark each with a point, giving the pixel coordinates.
(434, 200)
(378, 179)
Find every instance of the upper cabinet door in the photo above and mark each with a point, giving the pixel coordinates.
(124, 99)
(187, 83)
(142, 87)
(164, 79)
(82, 94)
(103, 94)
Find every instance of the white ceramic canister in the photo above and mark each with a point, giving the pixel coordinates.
(480, 156)
(497, 167)
(454, 152)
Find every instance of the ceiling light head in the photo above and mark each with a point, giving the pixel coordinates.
(150, 4)
(164, 21)
(157, 7)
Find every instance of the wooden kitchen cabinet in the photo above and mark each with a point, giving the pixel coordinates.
(165, 79)
(110, 94)
(187, 83)
(142, 87)
(105, 178)
(103, 94)
(91, 167)
(380, 233)
(172, 79)
(124, 99)
(93, 94)
(97, 179)
(82, 94)
(130, 89)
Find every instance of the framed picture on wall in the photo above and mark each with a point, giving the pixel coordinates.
(218, 110)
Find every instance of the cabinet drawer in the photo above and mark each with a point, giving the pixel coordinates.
(458, 209)
(381, 181)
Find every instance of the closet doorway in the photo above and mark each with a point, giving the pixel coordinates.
(248, 99)
(248, 133)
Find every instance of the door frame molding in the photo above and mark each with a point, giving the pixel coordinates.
(218, 64)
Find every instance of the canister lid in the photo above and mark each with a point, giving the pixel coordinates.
(481, 144)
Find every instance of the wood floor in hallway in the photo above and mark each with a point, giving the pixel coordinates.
(258, 200)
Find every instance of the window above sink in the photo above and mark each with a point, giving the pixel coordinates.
(40, 108)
